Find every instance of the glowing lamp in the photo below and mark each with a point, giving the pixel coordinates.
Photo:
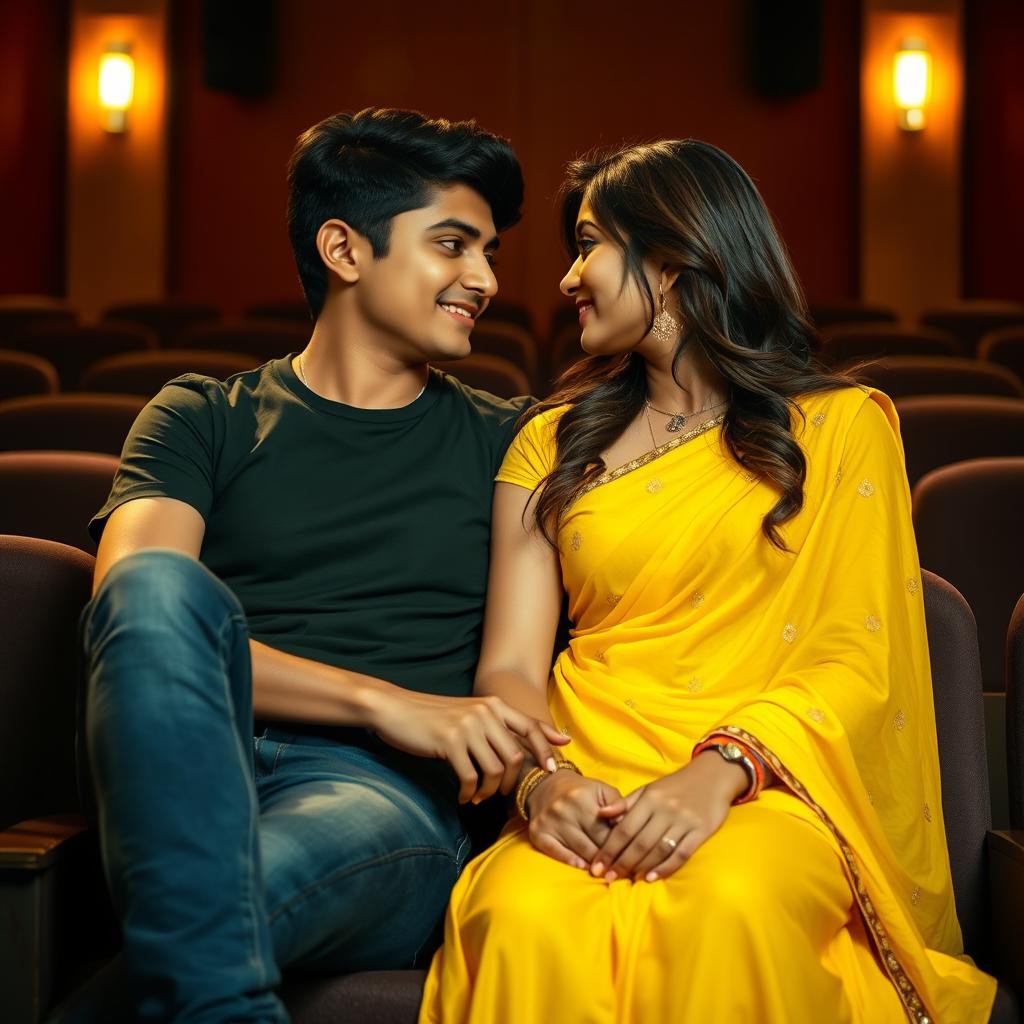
(117, 86)
(912, 83)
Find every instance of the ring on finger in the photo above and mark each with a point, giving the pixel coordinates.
(670, 842)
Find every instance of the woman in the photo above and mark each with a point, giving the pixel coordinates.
(750, 826)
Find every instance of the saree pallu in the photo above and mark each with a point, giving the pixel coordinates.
(829, 898)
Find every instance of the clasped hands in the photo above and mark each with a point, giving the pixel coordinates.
(647, 834)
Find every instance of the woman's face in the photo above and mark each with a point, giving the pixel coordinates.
(613, 313)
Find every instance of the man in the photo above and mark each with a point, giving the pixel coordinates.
(307, 541)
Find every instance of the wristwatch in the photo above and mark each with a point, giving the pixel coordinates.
(734, 754)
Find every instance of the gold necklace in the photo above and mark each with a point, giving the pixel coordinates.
(677, 420)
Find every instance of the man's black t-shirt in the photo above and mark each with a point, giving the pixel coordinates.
(354, 537)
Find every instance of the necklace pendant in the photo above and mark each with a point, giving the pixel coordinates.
(675, 424)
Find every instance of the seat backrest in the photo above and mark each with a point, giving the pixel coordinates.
(77, 423)
(825, 314)
(74, 347)
(23, 374)
(166, 319)
(145, 373)
(1015, 713)
(968, 321)
(17, 317)
(500, 311)
(282, 309)
(846, 343)
(1004, 348)
(967, 522)
(508, 341)
(905, 376)
(267, 339)
(943, 429)
(43, 588)
(488, 373)
(960, 725)
(563, 351)
(53, 495)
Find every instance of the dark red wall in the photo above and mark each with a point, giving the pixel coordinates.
(994, 151)
(33, 61)
(557, 78)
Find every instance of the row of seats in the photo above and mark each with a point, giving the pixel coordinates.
(937, 429)
(269, 329)
(74, 350)
(111, 359)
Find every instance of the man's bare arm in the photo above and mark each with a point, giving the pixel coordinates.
(474, 734)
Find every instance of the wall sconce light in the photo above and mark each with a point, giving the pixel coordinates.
(117, 86)
(912, 83)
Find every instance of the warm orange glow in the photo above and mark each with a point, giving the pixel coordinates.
(912, 76)
(116, 86)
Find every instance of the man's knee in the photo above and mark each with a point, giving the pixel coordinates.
(158, 587)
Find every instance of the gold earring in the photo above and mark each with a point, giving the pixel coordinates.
(665, 327)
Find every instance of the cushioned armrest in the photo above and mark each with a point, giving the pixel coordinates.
(1006, 905)
(37, 844)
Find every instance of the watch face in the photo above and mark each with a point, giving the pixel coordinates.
(731, 752)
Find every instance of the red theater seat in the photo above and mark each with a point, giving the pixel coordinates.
(79, 423)
(23, 374)
(53, 495)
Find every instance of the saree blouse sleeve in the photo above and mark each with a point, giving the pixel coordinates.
(844, 712)
(531, 456)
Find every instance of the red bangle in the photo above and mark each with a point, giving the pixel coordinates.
(750, 761)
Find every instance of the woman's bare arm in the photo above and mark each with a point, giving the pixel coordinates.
(524, 601)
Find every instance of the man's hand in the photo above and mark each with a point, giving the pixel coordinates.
(658, 827)
(482, 738)
(565, 819)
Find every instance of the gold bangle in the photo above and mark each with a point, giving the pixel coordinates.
(532, 779)
(526, 787)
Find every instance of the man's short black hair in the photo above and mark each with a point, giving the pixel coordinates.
(367, 168)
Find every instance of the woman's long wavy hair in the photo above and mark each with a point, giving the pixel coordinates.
(687, 205)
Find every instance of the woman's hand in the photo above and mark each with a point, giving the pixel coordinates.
(565, 819)
(658, 827)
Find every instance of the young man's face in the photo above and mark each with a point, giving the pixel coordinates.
(424, 296)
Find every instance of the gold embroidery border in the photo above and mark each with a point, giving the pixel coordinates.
(655, 453)
(897, 975)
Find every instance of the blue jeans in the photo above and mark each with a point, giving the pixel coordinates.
(230, 856)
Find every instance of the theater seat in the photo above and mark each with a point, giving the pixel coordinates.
(508, 341)
(967, 522)
(23, 374)
(266, 339)
(1015, 713)
(847, 343)
(80, 423)
(167, 319)
(825, 314)
(74, 347)
(970, 319)
(18, 313)
(488, 373)
(906, 376)
(1004, 348)
(145, 373)
(942, 429)
(53, 495)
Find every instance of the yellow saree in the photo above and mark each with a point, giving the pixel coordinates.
(829, 897)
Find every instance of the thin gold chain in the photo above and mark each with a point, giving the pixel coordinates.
(650, 425)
